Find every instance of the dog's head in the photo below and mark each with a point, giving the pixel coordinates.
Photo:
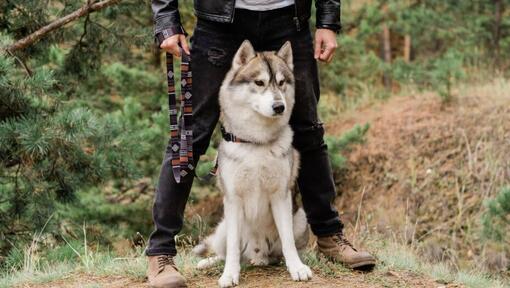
(262, 82)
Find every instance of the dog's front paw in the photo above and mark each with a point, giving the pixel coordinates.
(300, 272)
(228, 279)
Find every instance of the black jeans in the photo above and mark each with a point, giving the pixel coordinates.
(213, 47)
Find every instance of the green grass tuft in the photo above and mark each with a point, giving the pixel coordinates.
(399, 257)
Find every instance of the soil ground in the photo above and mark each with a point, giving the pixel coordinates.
(260, 277)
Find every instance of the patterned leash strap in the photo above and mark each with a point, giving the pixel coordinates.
(181, 128)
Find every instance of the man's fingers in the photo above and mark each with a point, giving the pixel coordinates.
(174, 50)
(184, 43)
(171, 46)
(327, 53)
(325, 45)
(330, 58)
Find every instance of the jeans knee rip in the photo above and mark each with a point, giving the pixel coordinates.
(318, 126)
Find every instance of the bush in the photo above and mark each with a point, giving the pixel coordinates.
(496, 220)
(339, 145)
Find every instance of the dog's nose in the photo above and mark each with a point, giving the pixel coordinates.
(278, 107)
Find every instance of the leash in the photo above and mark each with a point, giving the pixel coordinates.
(181, 128)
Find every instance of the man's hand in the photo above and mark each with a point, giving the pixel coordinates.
(171, 44)
(325, 45)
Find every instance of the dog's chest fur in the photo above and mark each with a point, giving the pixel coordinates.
(254, 172)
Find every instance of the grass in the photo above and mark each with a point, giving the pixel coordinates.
(42, 274)
(103, 263)
(403, 258)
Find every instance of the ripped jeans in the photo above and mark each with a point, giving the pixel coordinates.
(213, 47)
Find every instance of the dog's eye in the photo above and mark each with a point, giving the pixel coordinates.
(259, 82)
(281, 82)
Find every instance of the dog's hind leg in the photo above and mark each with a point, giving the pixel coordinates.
(281, 206)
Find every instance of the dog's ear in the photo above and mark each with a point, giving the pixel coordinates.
(286, 54)
(244, 54)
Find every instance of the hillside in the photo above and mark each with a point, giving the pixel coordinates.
(432, 166)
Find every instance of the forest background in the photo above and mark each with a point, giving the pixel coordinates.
(83, 125)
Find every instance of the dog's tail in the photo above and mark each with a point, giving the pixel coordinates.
(201, 249)
(208, 262)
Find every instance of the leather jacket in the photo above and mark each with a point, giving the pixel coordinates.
(167, 20)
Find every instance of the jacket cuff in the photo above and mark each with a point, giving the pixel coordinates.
(334, 27)
(160, 36)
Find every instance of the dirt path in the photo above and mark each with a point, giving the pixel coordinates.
(260, 277)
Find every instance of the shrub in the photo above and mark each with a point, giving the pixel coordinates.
(339, 145)
(496, 220)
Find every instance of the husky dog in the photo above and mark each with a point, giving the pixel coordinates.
(257, 168)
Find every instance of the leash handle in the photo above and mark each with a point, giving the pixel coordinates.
(181, 124)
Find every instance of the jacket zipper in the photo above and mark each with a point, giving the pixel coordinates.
(296, 18)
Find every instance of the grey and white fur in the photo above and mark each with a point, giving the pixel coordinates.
(257, 178)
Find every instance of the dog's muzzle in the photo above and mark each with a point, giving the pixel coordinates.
(278, 107)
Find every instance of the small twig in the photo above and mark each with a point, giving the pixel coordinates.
(118, 36)
(470, 154)
(16, 184)
(84, 28)
(359, 211)
(29, 72)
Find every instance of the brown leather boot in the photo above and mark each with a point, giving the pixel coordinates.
(339, 249)
(162, 273)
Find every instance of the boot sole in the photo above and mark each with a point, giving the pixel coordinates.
(367, 265)
(363, 266)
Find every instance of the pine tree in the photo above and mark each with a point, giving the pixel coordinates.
(49, 149)
(496, 220)
(60, 131)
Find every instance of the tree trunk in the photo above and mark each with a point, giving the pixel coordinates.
(407, 48)
(386, 39)
(498, 12)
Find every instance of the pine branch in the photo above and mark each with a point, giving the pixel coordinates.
(37, 35)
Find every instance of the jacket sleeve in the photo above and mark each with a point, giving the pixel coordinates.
(328, 14)
(167, 21)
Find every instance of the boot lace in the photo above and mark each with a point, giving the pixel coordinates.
(165, 260)
(342, 241)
